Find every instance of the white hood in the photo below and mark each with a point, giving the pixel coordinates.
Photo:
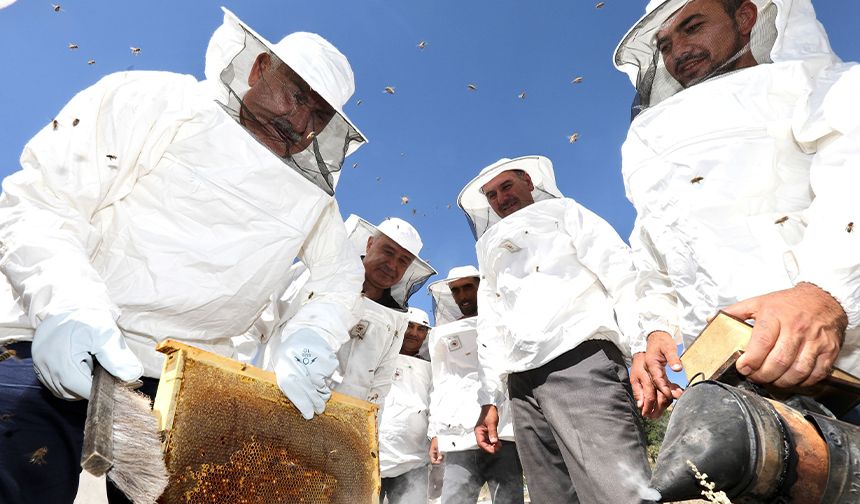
(359, 230)
(798, 36)
(481, 216)
(444, 308)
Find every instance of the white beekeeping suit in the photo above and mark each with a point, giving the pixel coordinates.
(454, 404)
(151, 211)
(366, 361)
(403, 442)
(745, 182)
(553, 274)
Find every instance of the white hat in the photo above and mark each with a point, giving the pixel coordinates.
(402, 233)
(475, 204)
(322, 66)
(444, 308)
(418, 316)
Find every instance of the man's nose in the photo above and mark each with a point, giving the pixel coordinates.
(300, 118)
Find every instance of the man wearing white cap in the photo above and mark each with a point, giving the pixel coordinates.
(403, 443)
(558, 316)
(454, 403)
(157, 206)
(742, 169)
(392, 273)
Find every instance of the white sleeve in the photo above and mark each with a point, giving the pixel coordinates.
(489, 328)
(106, 138)
(658, 303)
(829, 254)
(334, 285)
(436, 398)
(603, 252)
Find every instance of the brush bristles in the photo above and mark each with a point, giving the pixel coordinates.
(138, 464)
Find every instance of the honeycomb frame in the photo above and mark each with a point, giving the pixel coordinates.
(217, 449)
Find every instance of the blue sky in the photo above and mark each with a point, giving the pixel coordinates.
(430, 137)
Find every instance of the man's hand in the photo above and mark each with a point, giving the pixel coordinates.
(797, 335)
(436, 457)
(485, 429)
(304, 363)
(649, 399)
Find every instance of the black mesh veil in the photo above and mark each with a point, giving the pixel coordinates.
(287, 116)
(639, 49)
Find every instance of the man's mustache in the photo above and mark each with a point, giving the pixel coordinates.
(685, 58)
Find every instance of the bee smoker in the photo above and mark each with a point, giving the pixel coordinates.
(756, 450)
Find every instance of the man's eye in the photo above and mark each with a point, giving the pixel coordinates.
(664, 48)
(693, 28)
(300, 98)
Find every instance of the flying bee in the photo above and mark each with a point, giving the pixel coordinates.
(311, 135)
(599, 5)
(358, 102)
(73, 46)
(781, 219)
(76, 122)
(55, 124)
(576, 80)
(849, 227)
(135, 50)
(404, 200)
(573, 138)
(389, 89)
(38, 456)
(472, 87)
(355, 165)
(696, 180)
(111, 157)
(522, 95)
(56, 7)
(91, 62)
(422, 44)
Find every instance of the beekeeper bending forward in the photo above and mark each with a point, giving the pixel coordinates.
(557, 316)
(743, 166)
(157, 206)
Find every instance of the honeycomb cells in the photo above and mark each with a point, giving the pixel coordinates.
(237, 439)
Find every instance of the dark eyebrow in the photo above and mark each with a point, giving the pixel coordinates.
(689, 19)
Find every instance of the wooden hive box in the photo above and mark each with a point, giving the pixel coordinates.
(231, 436)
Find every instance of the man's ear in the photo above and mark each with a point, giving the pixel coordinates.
(369, 244)
(528, 179)
(261, 64)
(745, 17)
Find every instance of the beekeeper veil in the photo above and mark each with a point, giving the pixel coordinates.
(680, 43)
(445, 309)
(289, 96)
(403, 234)
(472, 200)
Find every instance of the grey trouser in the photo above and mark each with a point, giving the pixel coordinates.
(407, 488)
(467, 471)
(578, 432)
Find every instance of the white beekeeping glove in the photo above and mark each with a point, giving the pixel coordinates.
(64, 346)
(303, 363)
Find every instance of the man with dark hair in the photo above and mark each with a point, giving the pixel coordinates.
(455, 407)
(707, 37)
(744, 184)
